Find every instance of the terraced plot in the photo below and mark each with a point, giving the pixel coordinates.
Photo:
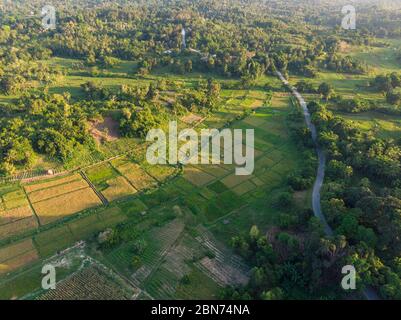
(58, 190)
(159, 172)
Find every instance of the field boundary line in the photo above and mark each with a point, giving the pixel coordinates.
(98, 194)
(31, 206)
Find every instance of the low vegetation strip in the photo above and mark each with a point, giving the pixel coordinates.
(65, 205)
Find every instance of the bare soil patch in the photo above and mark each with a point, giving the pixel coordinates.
(108, 130)
(191, 118)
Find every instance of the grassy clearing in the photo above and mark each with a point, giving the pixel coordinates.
(192, 290)
(53, 240)
(385, 126)
(21, 284)
(106, 218)
(84, 227)
(379, 59)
